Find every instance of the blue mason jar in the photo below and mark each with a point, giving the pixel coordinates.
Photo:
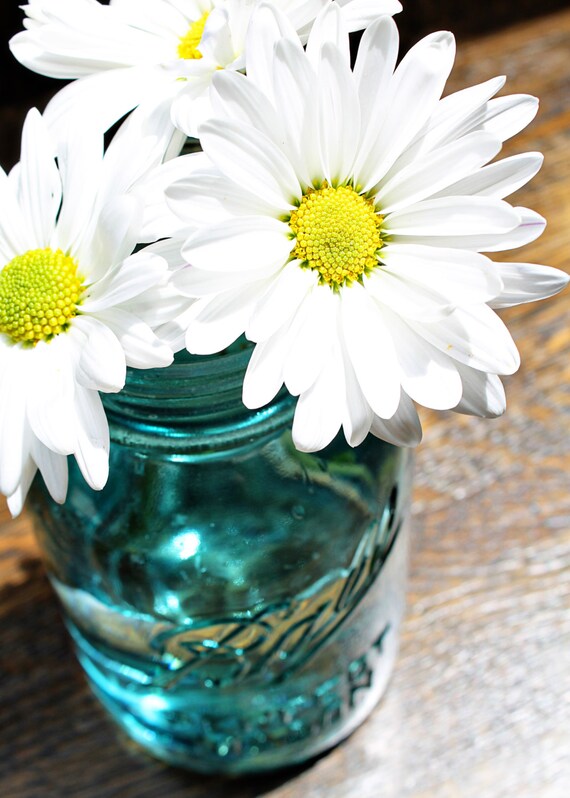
(234, 602)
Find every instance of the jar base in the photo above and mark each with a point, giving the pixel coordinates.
(282, 744)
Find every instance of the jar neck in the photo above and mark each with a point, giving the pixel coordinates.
(196, 401)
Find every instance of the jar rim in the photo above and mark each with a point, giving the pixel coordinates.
(194, 407)
(203, 372)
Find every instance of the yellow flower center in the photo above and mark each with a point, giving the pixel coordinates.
(338, 233)
(188, 45)
(39, 294)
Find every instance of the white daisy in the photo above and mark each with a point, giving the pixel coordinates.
(340, 226)
(135, 49)
(75, 309)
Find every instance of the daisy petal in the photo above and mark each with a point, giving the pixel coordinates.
(359, 14)
(454, 116)
(127, 280)
(191, 106)
(53, 468)
(267, 26)
(302, 15)
(195, 283)
(216, 45)
(101, 365)
(264, 376)
(159, 219)
(51, 391)
(17, 498)
(403, 429)
(320, 410)
(14, 438)
(483, 394)
(373, 69)
(370, 347)
(424, 178)
(218, 321)
(427, 375)
(80, 156)
(329, 28)
(40, 184)
(295, 89)
(147, 15)
(337, 99)
(358, 415)
(246, 243)
(417, 83)
(14, 233)
(309, 336)
(137, 147)
(113, 94)
(142, 348)
(169, 250)
(116, 235)
(507, 116)
(498, 180)
(236, 97)
(530, 227)
(173, 332)
(405, 297)
(527, 282)
(251, 160)
(456, 216)
(206, 198)
(459, 276)
(92, 452)
(281, 301)
(475, 336)
(72, 38)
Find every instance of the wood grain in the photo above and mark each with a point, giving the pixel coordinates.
(479, 706)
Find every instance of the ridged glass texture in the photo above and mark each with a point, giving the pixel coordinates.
(235, 603)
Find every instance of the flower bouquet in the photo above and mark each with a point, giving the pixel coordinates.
(280, 224)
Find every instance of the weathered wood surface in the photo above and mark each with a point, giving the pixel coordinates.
(479, 706)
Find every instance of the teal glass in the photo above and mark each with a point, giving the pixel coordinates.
(234, 602)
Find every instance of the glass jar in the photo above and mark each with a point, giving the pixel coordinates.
(234, 602)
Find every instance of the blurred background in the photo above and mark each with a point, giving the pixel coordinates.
(21, 89)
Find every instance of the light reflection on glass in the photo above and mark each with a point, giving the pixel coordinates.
(186, 544)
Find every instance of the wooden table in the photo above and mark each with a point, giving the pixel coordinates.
(480, 702)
